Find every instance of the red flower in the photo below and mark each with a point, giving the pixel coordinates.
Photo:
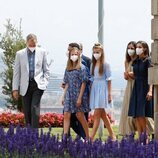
(46, 120)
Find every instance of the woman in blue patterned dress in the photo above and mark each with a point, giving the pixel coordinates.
(75, 99)
(100, 94)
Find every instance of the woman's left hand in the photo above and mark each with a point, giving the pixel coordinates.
(79, 101)
(109, 98)
(149, 96)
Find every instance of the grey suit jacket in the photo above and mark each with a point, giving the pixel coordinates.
(21, 70)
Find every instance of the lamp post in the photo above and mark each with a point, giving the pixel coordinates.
(101, 21)
(101, 40)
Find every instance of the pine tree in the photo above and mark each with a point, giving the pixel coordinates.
(10, 42)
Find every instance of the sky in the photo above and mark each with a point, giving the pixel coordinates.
(57, 23)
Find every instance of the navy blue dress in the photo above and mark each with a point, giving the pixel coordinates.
(139, 106)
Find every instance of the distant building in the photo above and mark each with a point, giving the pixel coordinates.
(51, 100)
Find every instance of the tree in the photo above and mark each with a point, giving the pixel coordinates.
(10, 42)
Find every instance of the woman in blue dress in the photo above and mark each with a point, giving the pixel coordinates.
(100, 94)
(141, 102)
(75, 98)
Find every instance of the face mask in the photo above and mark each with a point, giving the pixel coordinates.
(131, 52)
(97, 56)
(32, 49)
(139, 51)
(74, 58)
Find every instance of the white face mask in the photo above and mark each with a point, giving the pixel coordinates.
(32, 49)
(97, 56)
(139, 51)
(74, 58)
(131, 52)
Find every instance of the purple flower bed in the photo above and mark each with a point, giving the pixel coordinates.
(30, 143)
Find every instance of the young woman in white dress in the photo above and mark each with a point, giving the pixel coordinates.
(127, 124)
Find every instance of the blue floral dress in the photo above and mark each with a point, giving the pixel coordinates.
(74, 79)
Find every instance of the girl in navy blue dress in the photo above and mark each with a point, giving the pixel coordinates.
(141, 105)
(76, 98)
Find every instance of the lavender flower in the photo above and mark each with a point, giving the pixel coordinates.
(30, 143)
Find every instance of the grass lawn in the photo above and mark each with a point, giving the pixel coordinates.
(59, 131)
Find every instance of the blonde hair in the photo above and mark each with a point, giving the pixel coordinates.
(70, 66)
(101, 66)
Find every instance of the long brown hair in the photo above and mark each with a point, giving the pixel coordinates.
(101, 66)
(70, 66)
(128, 58)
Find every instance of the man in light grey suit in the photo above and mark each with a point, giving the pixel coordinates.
(30, 78)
